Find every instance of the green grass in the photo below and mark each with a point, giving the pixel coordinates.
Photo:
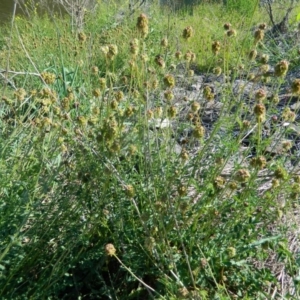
(95, 201)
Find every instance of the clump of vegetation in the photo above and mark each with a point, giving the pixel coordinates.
(149, 157)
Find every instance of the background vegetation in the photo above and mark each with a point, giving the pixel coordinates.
(115, 183)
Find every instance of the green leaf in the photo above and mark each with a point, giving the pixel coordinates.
(262, 241)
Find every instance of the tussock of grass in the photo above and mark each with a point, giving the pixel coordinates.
(147, 157)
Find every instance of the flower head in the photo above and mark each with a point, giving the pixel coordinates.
(188, 32)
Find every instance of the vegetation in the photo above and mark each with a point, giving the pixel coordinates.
(150, 156)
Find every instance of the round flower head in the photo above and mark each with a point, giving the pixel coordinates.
(295, 87)
(288, 115)
(119, 95)
(104, 50)
(96, 92)
(169, 81)
(112, 51)
(262, 26)
(281, 68)
(142, 25)
(252, 54)
(178, 54)
(150, 114)
(144, 58)
(154, 84)
(134, 47)
(227, 26)
(169, 96)
(190, 56)
(231, 251)
(95, 70)
(199, 132)
(129, 189)
(172, 111)
(160, 61)
(259, 35)
(129, 111)
(195, 106)
(182, 190)
(231, 32)
(110, 249)
(102, 83)
(260, 95)
(184, 155)
(219, 182)
(258, 162)
(191, 73)
(20, 94)
(242, 175)
(208, 93)
(280, 173)
(260, 112)
(158, 111)
(216, 47)
(246, 124)
(286, 145)
(264, 58)
(49, 78)
(188, 32)
(265, 69)
(274, 98)
(217, 71)
(164, 43)
(81, 36)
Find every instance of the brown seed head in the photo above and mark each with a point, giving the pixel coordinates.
(169, 96)
(258, 35)
(280, 173)
(260, 95)
(172, 111)
(95, 70)
(160, 61)
(242, 175)
(219, 182)
(231, 32)
(82, 37)
(178, 54)
(216, 47)
(260, 112)
(252, 54)
(96, 93)
(227, 26)
(281, 68)
(295, 87)
(262, 26)
(169, 81)
(288, 115)
(164, 42)
(188, 32)
(258, 162)
(142, 25)
(112, 51)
